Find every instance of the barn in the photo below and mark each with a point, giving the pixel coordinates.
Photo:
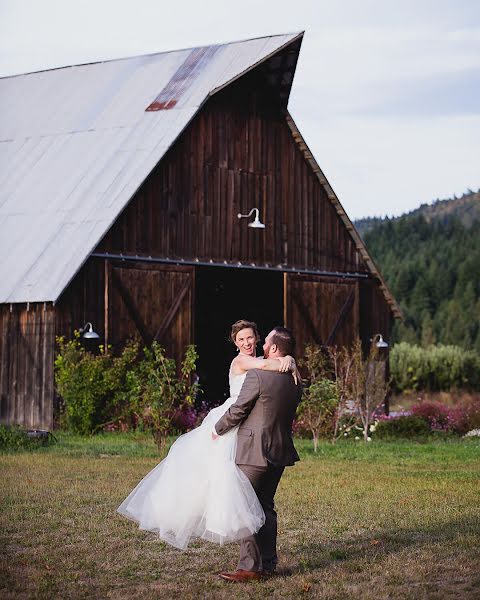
(120, 188)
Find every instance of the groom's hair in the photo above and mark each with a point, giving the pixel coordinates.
(284, 340)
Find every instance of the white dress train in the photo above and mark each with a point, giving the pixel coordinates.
(198, 490)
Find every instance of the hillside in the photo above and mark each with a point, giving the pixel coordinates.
(430, 259)
(466, 209)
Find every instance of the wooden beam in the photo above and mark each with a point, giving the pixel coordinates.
(130, 305)
(172, 312)
(341, 318)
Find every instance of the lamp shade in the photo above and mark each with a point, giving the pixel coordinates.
(256, 223)
(88, 333)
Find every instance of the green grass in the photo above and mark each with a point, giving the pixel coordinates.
(396, 519)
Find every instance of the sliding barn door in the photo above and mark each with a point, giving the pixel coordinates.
(151, 302)
(321, 311)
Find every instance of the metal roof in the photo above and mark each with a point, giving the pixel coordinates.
(77, 142)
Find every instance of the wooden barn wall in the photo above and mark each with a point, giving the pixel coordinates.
(237, 154)
(26, 365)
(375, 314)
(83, 301)
(124, 300)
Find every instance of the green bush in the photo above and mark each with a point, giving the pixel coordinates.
(317, 408)
(436, 368)
(155, 391)
(13, 437)
(133, 389)
(92, 387)
(407, 426)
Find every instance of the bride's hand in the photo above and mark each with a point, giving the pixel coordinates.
(287, 363)
(296, 375)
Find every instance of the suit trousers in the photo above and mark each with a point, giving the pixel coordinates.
(259, 552)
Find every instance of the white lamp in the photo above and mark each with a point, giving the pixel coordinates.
(256, 223)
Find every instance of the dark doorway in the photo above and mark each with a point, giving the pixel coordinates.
(222, 296)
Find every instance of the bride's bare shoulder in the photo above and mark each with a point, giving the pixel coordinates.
(235, 367)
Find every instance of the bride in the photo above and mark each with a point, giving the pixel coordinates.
(198, 490)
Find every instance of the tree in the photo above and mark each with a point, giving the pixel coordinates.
(156, 389)
(361, 387)
(317, 408)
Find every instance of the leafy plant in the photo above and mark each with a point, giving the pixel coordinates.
(405, 426)
(318, 407)
(434, 368)
(91, 386)
(155, 391)
(13, 437)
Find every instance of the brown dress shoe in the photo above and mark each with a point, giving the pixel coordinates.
(242, 576)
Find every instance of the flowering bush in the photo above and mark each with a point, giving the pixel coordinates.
(467, 415)
(438, 416)
(184, 418)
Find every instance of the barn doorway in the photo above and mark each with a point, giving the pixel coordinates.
(222, 296)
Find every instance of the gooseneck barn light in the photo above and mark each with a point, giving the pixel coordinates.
(256, 223)
(381, 343)
(88, 333)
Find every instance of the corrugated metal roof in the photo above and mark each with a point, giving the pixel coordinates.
(77, 142)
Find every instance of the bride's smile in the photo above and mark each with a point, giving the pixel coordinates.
(246, 341)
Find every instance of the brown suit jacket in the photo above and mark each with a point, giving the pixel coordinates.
(264, 409)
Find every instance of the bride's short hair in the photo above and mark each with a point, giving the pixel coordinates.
(244, 324)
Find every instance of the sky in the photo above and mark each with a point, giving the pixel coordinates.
(386, 93)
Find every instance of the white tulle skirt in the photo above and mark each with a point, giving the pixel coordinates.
(197, 491)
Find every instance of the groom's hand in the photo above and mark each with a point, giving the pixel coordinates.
(214, 436)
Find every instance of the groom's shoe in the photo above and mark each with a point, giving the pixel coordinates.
(242, 576)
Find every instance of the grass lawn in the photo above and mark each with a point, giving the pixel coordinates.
(383, 520)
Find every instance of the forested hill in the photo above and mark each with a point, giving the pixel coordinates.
(430, 259)
(466, 209)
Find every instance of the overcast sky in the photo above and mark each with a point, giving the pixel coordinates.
(386, 93)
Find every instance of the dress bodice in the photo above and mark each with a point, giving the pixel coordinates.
(236, 382)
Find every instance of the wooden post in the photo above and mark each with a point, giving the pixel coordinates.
(106, 302)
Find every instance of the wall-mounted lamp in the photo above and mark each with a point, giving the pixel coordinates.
(256, 223)
(88, 333)
(381, 343)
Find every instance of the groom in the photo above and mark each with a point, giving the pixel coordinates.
(265, 409)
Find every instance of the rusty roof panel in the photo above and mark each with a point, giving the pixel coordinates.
(196, 61)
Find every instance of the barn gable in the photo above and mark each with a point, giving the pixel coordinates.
(76, 143)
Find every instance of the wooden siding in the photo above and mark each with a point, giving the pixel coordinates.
(238, 153)
(322, 311)
(375, 316)
(124, 300)
(26, 365)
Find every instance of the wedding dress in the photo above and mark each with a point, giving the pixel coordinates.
(198, 490)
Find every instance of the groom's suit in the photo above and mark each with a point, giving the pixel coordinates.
(264, 409)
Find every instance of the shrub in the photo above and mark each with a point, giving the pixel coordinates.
(466, 415)
(13, 437)
(155, 392)
(435, 368)
(184, 419)
(318, 407)
(408, 426)
(92, 387)
(438, 416)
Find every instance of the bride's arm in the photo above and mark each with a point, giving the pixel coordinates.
(243, 363)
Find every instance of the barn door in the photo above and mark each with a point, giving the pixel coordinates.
(320, 311)
(151, 302)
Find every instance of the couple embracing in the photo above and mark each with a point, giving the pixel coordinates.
(219, 480)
